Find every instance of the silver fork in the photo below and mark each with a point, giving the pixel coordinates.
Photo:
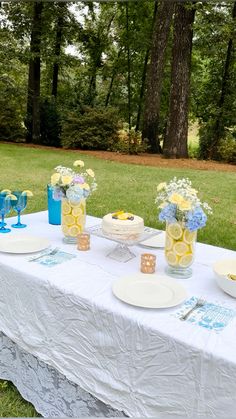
(52, 252)
(199, 303)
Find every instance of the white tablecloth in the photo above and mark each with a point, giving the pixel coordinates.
(144, 362)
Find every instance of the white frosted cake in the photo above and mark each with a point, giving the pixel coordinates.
(122, 225)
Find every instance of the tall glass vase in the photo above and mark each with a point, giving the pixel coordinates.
(73, 218)
(179, 250)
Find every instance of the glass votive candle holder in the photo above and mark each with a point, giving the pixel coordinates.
(148, 263)
(83, 241)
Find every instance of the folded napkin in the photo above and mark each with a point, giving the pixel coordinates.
(211, 316)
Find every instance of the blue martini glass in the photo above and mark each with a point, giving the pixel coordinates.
(5, 206)
(19, 205)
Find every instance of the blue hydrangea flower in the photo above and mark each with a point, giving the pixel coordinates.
(196, 219)
(57, 194)
(75, 193)
(168, 213)
(86, 193)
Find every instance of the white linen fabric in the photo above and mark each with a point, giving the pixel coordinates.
(143, 362)
(49, 391)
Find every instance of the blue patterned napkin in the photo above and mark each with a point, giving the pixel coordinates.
(58, 258)
(211, 316)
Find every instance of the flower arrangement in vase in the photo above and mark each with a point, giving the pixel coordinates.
(73, 187)
(184, 214)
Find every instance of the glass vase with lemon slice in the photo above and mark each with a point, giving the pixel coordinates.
(72, 187)
(73, 218)
(179, 250)
(184, 214)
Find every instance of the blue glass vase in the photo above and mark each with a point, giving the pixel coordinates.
(54, 208)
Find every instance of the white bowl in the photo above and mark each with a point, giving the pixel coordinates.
(221, 269)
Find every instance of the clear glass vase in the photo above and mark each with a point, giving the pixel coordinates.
(179, 250)
(73, 218)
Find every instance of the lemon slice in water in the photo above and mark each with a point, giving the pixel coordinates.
(175, 231)
(27, 193)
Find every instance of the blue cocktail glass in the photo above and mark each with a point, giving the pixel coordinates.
(3, 194)
(5, 206)
(19, 205)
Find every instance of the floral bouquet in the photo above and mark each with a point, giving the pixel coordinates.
(73, 187)
(178, 201)
(184, 214)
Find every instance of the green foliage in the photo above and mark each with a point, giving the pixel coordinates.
(97, 74)
(213, 99)
(50, 123)
(129, 142)
(226, 149)
(193, 151)
(95, 129)
(10, 124)
(206, 133)
(12, 88)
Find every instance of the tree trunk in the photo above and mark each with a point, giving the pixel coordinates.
(144, 76)
(112, 79)
(128, 72)
(219, 123)
(58, 42)
(92, 87)
(176, 138)
(33, 100)
(161, 31)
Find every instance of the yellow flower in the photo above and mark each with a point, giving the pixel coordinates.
(161, 186)
(85, 186)
(79, 163)
(90, 172)
(176, 198)
(184, 205)
(55, 178)
(66, 180)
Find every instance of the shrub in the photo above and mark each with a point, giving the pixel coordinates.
(11, 128)
(129, 142)
(227, 149)
(95, 129)
(206, 133)
(193, 150)
(11, 121)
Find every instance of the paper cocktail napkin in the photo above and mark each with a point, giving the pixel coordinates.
(211, 316)
(53, 260)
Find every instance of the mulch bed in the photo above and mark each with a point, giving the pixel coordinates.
(146, 159)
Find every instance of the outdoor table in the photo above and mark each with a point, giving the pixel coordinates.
(64, 330)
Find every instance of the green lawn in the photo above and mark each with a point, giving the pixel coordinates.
(123, 186)
(120, 186)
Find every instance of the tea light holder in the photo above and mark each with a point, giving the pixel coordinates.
(83, 241)
(148, 263)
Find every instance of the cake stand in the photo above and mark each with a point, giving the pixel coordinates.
(121, 251)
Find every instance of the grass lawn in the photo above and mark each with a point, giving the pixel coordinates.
(123, 186)
(120, 186)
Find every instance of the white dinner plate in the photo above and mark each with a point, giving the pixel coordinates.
(22, 244)
(149, 290)
(155, 241)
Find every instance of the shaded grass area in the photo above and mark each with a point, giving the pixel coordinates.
(120, 186)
